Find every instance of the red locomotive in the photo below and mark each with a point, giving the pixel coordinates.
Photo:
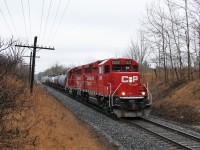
(113, 84)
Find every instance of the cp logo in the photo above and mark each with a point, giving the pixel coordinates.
(126, 79)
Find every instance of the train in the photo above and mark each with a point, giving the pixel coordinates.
(111, 84)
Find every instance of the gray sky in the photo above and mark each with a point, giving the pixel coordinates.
(90, 29)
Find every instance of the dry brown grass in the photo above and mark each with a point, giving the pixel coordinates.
(175, 100)
(45, 124)
(182, 104)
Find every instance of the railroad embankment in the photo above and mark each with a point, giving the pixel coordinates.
(43, 123)
(178, 101)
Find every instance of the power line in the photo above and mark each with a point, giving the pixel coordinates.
(29, 18)
(24, 18)
(41, 17)
(47, 19)
(10, 17)
(61, 20)
(54, 21)
(6, 22)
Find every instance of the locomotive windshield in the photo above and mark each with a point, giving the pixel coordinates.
(121, 68)
(124, 68)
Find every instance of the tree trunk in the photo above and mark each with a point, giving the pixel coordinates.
(175, 38)
(170, 56)
(188, 39)
(176, 73)
(199, 52)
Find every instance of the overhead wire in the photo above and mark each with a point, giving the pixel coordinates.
(41, 18)
(60, 20)
(54, 21)
(6, 22)
(29, 19)
(10, 17)
(24, 19)
(47, 19)
(30, 27)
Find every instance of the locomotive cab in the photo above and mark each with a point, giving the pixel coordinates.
(127, 97)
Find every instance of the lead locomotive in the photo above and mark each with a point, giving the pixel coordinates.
(113, 84)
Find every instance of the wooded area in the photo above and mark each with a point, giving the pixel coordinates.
(169, 40)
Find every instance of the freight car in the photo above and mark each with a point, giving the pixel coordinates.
(57, 81)
(112, 84)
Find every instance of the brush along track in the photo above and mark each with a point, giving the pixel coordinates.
(172, 136)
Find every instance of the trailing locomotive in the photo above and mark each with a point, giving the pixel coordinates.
(112, 84)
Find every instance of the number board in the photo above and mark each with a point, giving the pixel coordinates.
(115, 62)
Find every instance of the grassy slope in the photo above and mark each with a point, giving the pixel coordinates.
(177, 101)
(46, 124)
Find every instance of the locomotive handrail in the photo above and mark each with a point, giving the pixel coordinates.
(115, 92)
(110, 93)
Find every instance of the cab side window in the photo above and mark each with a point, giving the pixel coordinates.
(107, 69)
(100, 70)
(135, 68)
(116, 68)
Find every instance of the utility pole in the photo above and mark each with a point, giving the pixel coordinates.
(30, 64)
(33, 64)
(30, 68)
(35, 47)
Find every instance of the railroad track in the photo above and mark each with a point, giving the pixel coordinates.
(173, 137)
(88, 104)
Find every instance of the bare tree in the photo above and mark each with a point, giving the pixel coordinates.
(156, 25)
(187, 32)
(170, 27)
(138, 50)
(10, 86)
(196, 26)
(175, 19)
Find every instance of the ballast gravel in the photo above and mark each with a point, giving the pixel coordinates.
(118, 133)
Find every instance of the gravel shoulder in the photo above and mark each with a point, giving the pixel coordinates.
(118, 133)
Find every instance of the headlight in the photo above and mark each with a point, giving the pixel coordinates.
(143, 93)
(123, 93)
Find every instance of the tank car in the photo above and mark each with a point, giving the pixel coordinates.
(112, 84)
(62, 80)
(45, 79)
(58, 81)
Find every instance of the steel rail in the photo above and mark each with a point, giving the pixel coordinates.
(172, 135)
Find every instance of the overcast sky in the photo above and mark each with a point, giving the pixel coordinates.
(89, 30)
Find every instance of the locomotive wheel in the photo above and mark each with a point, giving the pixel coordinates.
(101, 102)
(82, 97)
(79, 97)
(86, 97)
(67, 91)
(105, 104)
